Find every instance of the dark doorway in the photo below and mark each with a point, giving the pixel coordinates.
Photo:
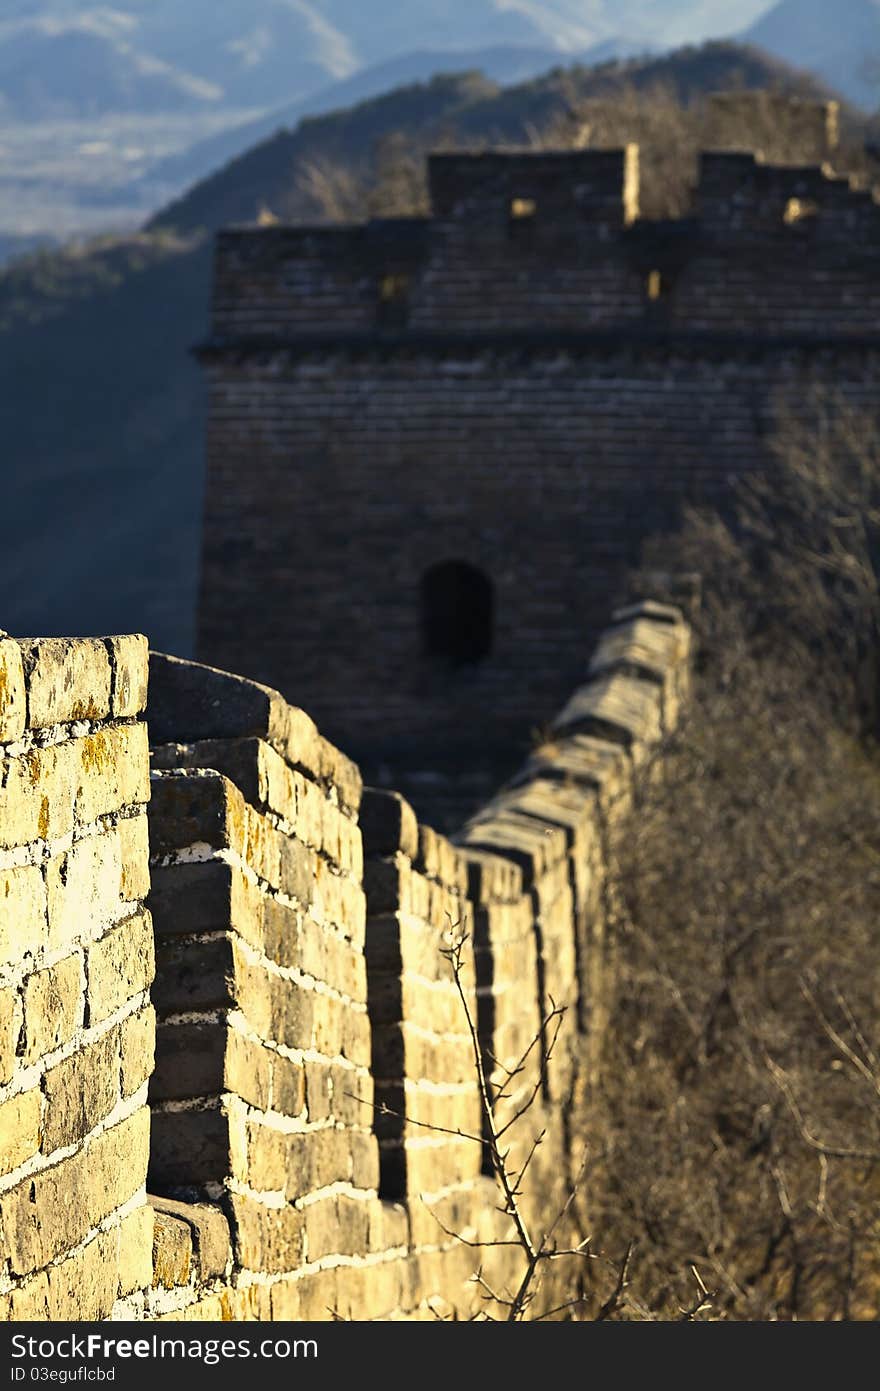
(457, 613)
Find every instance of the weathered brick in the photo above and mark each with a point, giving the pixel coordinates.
(314, 1297)
(336, 1226)
(275, 1161)
(137, 1045)
(190, 809)
(388, 824)
(134, 1250)
(80, 1091)
(192, 898)
(13, 700)
(38, 792)
(341, 773)
(277, 1009)
(209, 1229)
(388, 884)
(194, 975)
(23, 913)
(85, 888)
(120, 965)
(11, 1018)
(113, 770)
(247, 1070)
(129, 662)
(134, 849)
(172, 1250)
(263, 1077)
(53, 1007)
(67, 679)
(19, 1129)
(53, 1211)
(84, 1286)
(267, 1239)
(189, 702)
(30, 1301)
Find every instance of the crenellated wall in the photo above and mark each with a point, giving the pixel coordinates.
(315, 1148)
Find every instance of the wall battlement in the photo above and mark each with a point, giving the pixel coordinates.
(518, 241)
(493, 407)
(288, 933)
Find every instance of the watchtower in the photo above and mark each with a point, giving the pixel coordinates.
(435, 444)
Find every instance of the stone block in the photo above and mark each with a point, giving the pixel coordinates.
(120, 965)
(134, 1250)
(172, 1250)
(11, 1019)
(266, 1239)
(198, 808)
(80, 1091)
(189, 701)
(211, 1245)
(85, 888)
(113, 770)
(23, 913)
(129, 664)
(13, 698)
(193, 898)
(67, 679)
(53, 1007)
(20, 1129)
(194, 974)
(388, 824)
(137, 1046)
(54, 1210)
(83, 1287)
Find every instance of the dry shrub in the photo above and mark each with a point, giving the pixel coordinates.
(738, 1125)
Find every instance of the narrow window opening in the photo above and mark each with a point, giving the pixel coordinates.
(393, 310)
(457, 603)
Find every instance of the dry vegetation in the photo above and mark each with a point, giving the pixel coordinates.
(738, 1125)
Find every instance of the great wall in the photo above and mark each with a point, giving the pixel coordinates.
(487, 410)
(278, 930)
(236, 1075)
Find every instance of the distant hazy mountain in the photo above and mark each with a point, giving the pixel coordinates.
(263, 53)
(838, 39)
(503, 65)
(50, 72)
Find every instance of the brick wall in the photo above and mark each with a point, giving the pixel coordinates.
(552, 390)
(76, 964)
(317, 1144)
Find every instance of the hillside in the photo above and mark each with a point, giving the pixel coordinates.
(471, 106)
(102, 414)
(505, 65)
